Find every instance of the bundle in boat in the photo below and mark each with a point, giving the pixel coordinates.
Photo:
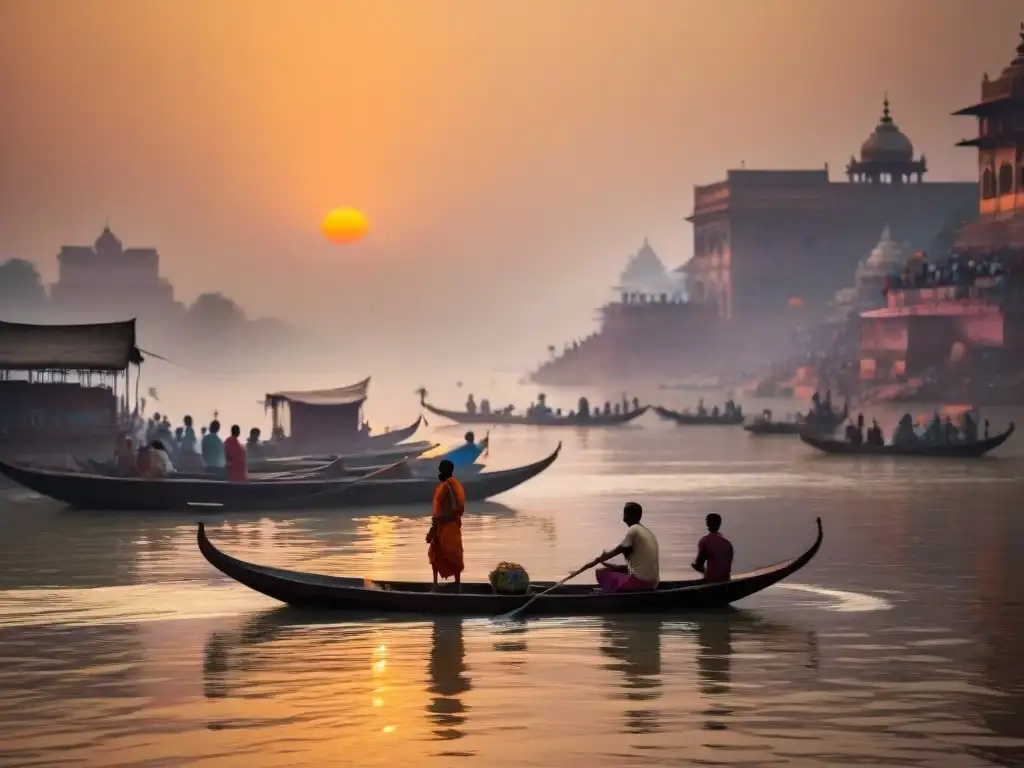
(509, 579)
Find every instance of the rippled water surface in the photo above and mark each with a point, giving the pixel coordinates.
(899, 645)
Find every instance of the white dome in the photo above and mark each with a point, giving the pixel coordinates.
(888, 253)
(645, 273)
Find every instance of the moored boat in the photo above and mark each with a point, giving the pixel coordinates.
(85, 491)
(310, 590)
(699, 419)
(971, 450)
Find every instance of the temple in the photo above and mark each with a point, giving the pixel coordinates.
(106, 279)
(957, 319)
(770, 251)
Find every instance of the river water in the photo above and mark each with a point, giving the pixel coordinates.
(898, 646)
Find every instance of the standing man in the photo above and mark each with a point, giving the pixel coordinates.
(212, 448)
(445, 534)
(237, 463)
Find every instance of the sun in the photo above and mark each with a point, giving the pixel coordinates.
(344, 225)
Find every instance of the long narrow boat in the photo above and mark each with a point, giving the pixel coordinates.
(311, 590)
(84, 491)
(696, 419)
(593, 420)
(952, 451)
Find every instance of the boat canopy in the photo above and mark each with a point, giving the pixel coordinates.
(105, 347)
(352, 394)
(320, 418)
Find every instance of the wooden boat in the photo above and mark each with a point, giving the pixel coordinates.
(291, 445)
(774, 427)
(85, 491)
(696, 419)
(310, 590)
(951, 451)
(593, 420)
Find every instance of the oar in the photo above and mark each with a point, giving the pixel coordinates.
(528, 603)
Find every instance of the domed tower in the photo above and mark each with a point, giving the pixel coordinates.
(108, 243)
(887, 256)
(645, 274)
(886, 156)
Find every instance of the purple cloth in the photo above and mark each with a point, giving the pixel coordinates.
(617, 581)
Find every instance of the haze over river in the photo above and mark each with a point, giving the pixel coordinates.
(899, 645)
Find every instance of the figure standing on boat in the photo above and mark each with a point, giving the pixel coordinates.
(445, 535)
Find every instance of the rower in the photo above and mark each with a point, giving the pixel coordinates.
(639, 547)
(445, 534)
(714, 552)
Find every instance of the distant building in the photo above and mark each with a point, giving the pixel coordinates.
(1000, 115)
(929, 328)
(107, 280)
(762, 238)
(646, 275)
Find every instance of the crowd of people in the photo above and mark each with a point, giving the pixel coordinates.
(540, 409)
(954, 271)
(153, 449)
(908, 433)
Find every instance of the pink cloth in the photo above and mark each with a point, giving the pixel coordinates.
(718, 551)
(617, 581)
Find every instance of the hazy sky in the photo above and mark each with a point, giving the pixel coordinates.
(509, 153)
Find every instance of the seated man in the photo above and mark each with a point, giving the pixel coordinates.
(714, 552)
(640, 548)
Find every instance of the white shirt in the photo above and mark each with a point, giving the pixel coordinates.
(160, 463)
(642, 560)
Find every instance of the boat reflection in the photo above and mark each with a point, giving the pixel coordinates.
(234, 662)
(632, 644)
(716, 634)
(714, 666)
(447, 679)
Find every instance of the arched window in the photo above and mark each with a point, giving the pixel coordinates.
(1005, 179)
(988, 184)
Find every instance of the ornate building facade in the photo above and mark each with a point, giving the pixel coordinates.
(1000, 145)
(762, 239)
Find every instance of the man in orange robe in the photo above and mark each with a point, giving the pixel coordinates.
(234, 453)
(445, 534)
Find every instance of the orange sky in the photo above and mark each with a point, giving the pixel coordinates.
(509, 153)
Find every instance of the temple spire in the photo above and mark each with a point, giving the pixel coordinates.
(886, 117)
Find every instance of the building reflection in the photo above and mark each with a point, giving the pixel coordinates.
(447, 678)
(633, 647)
(1001, 625)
